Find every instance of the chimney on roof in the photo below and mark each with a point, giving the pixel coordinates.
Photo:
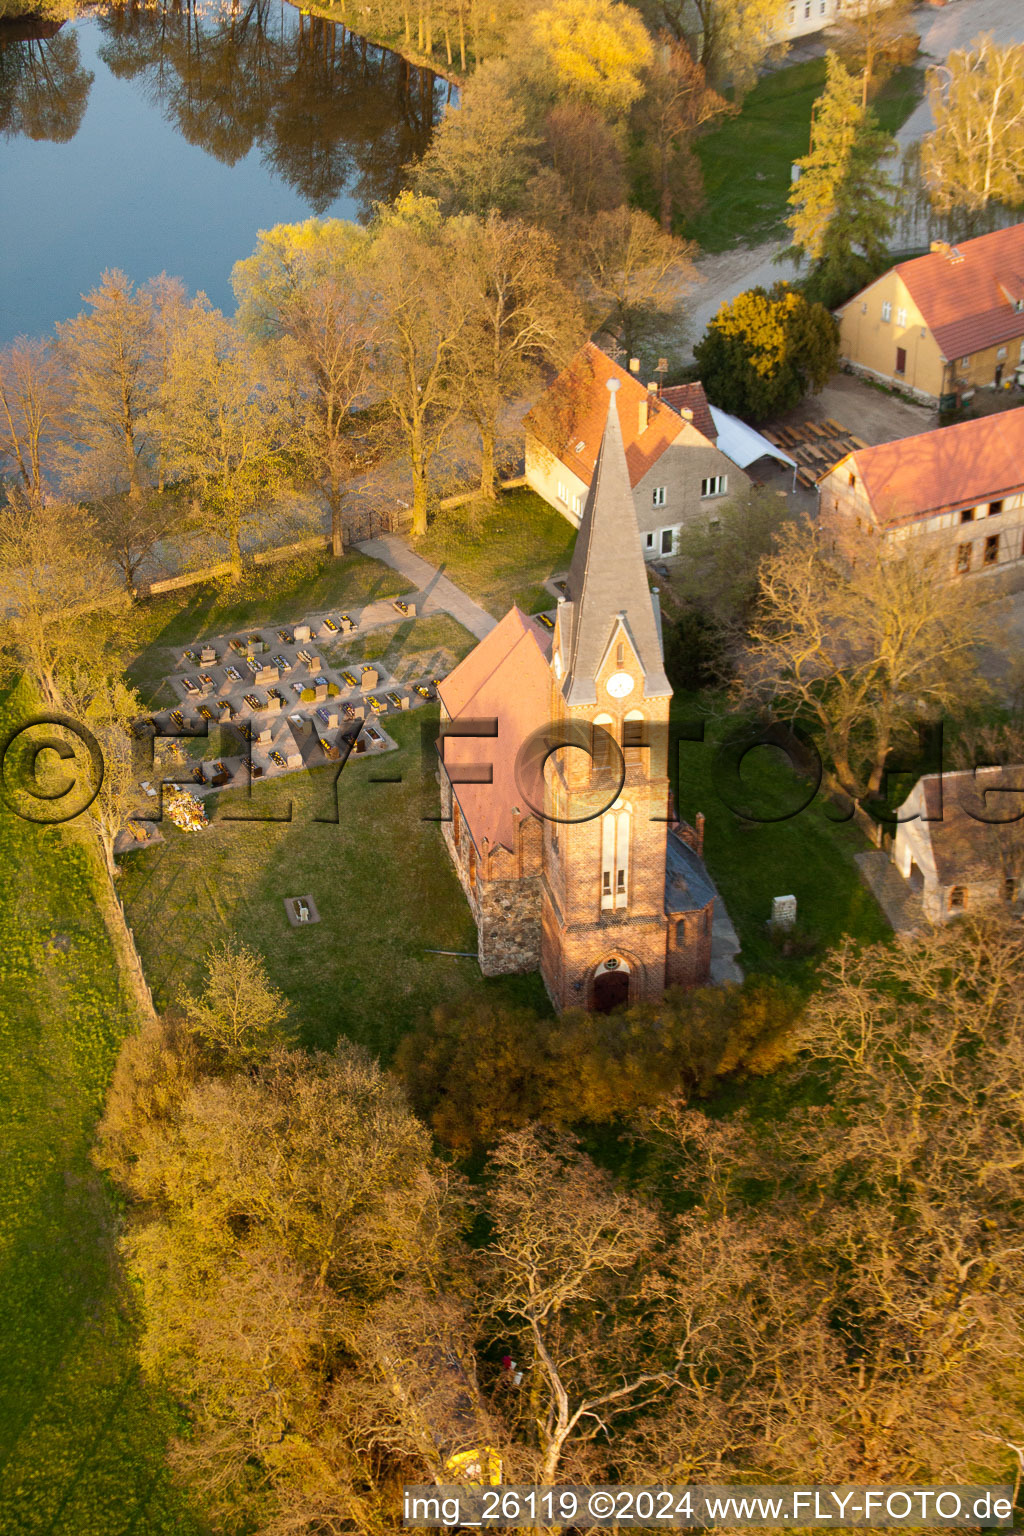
(643, 414)
(686, 413)
(652, 389)
(939, 247)
(634, 365)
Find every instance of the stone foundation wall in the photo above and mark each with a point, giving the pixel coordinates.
(508, 925)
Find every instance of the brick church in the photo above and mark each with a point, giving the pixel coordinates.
(556, 802)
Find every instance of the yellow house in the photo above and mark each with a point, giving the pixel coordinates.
(942, 325)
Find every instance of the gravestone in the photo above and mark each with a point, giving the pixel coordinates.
(320, 692)
(293, 760)
(265, 737)
(783, 912)
(302, 633)
(369, 678)
(268, 675)
(314, 663)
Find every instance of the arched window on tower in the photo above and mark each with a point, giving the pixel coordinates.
(456, 822)
(472, 867)
(603, 749)
(615, 837)
(634, 737)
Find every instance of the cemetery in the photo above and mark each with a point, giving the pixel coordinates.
(273, 701)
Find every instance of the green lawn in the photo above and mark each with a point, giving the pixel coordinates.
(427, 647)
(501, 553)
(747, 161)
(81, 1436)
(381, 880)
(278, 594)
(806, 855)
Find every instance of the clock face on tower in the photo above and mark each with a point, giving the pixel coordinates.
(619, 685)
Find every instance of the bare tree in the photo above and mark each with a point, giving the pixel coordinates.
(107, 353)
(519, 320)
(33, 408)
(864, 653)
(565, 1243)
(423, 309)
(677, 102)
(634, 278)
(870, 35)
(303, 293)
(975, 153)
(223, 422)
(61, 602)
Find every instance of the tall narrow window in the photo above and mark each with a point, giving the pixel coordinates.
(886, 310)
(622, 859)
(456, 822)
(901, 360)
(620, 654)
(607, 862)
(602, 741)
(615, 860)
(991, 552)
(963, 559)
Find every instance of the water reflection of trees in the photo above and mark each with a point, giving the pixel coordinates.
(43, 87)
(329, 111)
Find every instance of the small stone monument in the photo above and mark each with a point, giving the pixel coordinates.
(369, 678)
(783, 912)
(302, 633)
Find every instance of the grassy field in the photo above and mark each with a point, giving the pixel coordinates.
(277, 595)
(501, 553)
(427, 647)
(747, 161)
(806, 855)
(81, 1436)
(381, 880)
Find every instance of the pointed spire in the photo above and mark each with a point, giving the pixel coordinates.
(607, 584)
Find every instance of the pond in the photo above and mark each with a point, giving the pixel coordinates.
(163, 137)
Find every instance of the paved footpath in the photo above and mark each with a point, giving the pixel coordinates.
(434, 592)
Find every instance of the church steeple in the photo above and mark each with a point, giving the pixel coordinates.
(607, 583)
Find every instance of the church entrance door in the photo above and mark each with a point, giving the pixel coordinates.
(611, 988)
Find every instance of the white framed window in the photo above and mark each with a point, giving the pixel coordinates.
(965, 362)
(615, 860)
(901, 317)
(714, 485)
(807, 10)
(562, 493)
(648, 540)
(658, 496)
(668, 541)
(577, 504)
(792, 14)
(886, 310)
(1001, 352)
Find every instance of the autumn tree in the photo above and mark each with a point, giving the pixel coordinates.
(873, 35)
(223, 422)
(676, 103)
(634, 279)
(764, 350)
(864, 652)
(33, 410)
(256, 1290)
(597, 51)
(728, 38)
(422, 308)
(61, 603)
(519, 319)
(303, 295)
(106, 352)
(481, 153)
(130, 529)
(582, 169)
(239, 1017)
(843, 201)
(975, 153)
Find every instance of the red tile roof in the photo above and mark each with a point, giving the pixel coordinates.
(569, 419)
(691, 397)
(504, 678)
(956, 466)
(959, 291)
